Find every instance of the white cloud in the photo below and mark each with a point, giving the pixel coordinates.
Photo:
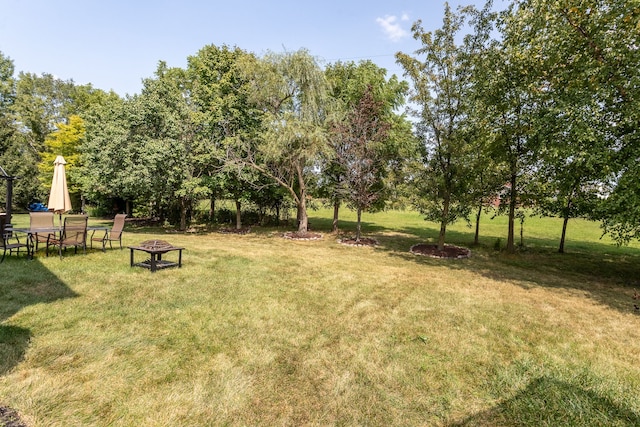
(392, 27)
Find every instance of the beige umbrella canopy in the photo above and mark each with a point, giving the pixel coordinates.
(59, 200)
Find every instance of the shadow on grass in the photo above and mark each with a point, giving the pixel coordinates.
(604, 272)
(549, 402)
(325, 225)
(606, 276)
(23, 283)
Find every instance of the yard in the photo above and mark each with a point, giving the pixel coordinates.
(259, 330)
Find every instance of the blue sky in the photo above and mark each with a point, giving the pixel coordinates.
(115, 44)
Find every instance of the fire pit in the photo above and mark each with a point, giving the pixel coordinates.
(156, 248)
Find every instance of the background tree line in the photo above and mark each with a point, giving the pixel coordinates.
(533, 107)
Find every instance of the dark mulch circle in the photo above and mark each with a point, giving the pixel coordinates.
(363, 241)
(450, 251)
(295, 235)
(10, 418)
(245, 230)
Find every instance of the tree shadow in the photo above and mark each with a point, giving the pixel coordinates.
(23, 283)
(550, 402)
(344, 226)
(604, 272)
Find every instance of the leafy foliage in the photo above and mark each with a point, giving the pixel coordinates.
(442, 93)
(292, 91)
(359, 153)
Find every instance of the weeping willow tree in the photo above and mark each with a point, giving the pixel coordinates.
(292, 90)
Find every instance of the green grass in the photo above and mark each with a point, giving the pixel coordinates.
(260, 330)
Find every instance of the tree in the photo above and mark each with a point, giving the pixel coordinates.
(581, 60)
(292, 91)
(16, 158)
(140, 149)
(39, 105)
(65, 141)
(349, 82)
(113, 154)
(575, 162)
(41, 102)
(487, 178)
(442, 92)
(173, 142)
(509, 101)
(359, 155)
(221, 91)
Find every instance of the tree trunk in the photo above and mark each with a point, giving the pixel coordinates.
(476, 238)
(564, 233)
(359, 225)
(511, 247)
(212, 208)
(443, 222)
(238, 214)
(564, 225)
(298, 213)
(303, 220)
(336, 208)
(183, 213)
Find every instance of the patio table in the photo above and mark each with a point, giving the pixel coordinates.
(32, 232)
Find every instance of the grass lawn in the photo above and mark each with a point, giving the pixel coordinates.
(259, 330)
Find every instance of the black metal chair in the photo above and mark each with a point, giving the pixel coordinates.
(8, 243)
(74, 233)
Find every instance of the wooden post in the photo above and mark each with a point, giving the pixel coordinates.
(9, 198)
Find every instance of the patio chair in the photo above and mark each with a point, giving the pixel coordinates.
(8, 242)
(74, 233)
(40, 220)
(114, 235)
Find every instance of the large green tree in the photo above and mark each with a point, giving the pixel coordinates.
(16, 157)
(441, 75)
(173, 143)
(148, 148)
(581, 68)
(113, 153)
(42, 101)
(230, 121)
(508, 101)
(292, 91)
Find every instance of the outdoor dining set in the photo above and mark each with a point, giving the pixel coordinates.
(42, 230)
(72, 232)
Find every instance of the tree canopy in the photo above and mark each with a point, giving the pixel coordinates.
(536, 105)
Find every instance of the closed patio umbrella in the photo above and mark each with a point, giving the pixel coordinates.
(59, 200)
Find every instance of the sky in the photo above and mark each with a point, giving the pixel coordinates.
(115, 44)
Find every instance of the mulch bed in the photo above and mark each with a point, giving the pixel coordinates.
(450, 251)
(364, 241)
(10, 418)
(295, 235)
